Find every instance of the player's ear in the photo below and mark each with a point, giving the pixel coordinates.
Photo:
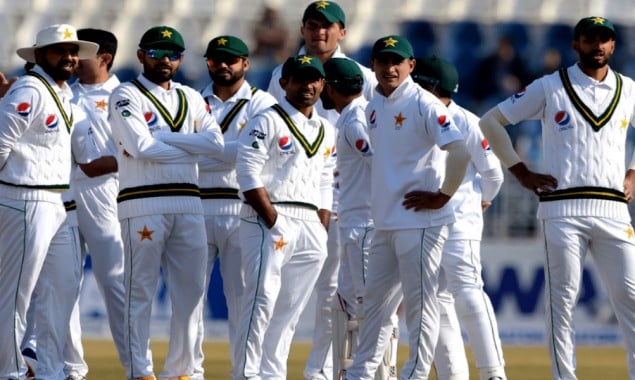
(140, 55)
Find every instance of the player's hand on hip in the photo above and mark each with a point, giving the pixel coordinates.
(536, 182)
(422, 200)
(629, 184)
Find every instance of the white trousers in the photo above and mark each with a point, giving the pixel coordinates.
(407, 260)
(176, 244)
(36, 248)
(281, 265)
(611, 243)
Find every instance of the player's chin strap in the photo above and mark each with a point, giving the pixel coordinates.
(346, 329)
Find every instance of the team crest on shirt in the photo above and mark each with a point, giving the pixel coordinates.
(444, 122)
(372, 119)
(23, 109)
(563, 120)
(285, 145)
(51, 121)
(363, 146)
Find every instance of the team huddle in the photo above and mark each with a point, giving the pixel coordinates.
(364, 185)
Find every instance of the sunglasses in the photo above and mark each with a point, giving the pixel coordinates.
(173, 55)
(227, 59)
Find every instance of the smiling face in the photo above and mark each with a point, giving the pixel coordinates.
(303, 89)
(391, 70)
(58, 60)
(321, 37)
(595, 49)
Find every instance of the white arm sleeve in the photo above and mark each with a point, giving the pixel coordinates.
(493, 126)
(491, 182)
(456, 165)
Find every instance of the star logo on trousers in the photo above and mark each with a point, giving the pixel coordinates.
(629, 232)
(279, 244)
(145, 233)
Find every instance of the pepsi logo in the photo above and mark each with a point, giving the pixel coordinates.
(444, 121)
(372, 117)
(485, 145)
(519, 93)
(208, 109)
(562, 118)
(23, 109)
(285, 143)
(151, 118)
(362, 145)
(51, 121)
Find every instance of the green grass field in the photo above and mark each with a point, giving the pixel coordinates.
(523, 363)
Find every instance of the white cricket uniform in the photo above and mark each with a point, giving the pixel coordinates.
(96, 200)
(584, 127)
(406, 130)
(161, 214)
(221, 203)
(320, 361)
(35, 162)
(461, 261)
(291, 158)
(356, 229)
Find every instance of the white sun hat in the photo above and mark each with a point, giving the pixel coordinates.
(58, 34)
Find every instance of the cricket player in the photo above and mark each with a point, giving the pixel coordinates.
(96, 184)
(412, 180)
(323, 28)
(285, 172)
(162, 127)
(461, 291)
(585, 110)
(35, 161)
(233, 102)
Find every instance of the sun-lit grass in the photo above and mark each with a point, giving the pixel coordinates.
(523, 363)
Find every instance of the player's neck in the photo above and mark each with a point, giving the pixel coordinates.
(596, 73)
(226, 92)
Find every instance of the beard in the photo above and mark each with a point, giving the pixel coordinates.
(219, 77)
(589, 60)
(59, 71)
(158, 73)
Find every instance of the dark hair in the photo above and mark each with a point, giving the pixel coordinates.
(106, 40)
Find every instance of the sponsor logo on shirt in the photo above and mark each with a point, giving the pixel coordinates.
(151, 118)
(563, 119)
(485, 145)
(122, 103)
(285, 145)
(51, 121)
(444, 122)
(517, 95)
(362, 145)
(23, 109)
(258, 134)
(372, 119)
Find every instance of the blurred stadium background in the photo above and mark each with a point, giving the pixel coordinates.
(463, 31)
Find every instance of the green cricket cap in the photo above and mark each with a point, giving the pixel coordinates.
(301, 63)
(162, 37)
(330, 10)
(393, 44)
(436, 71)
(227, 44)
(343, 72)
(592, 24)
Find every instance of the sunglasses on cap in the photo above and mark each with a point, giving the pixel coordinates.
(173, 55)
(226, 59)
